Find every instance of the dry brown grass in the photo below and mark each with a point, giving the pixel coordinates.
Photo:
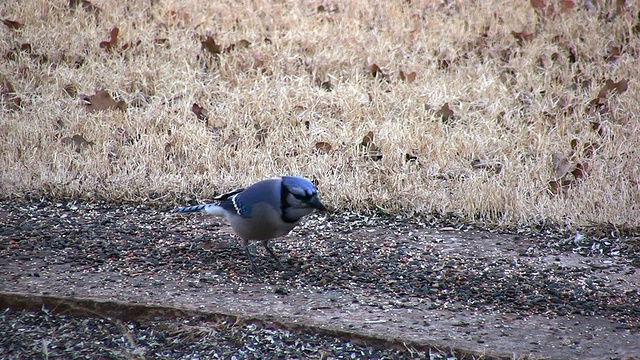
(265, 119)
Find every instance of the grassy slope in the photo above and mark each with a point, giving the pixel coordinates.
(265, 119)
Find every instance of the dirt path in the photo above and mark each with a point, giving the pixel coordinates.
(400, 281)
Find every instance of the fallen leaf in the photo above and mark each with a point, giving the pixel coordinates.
(210, 45)
(614, 54)
(242, 44)
(600, 102)
(595, 126)
(486, 165)
(542, 8)
(201, 113)
(232, 141)
(522, 37)
(126, 138)
(580, 171)
(12, 54)
(567, 5)
(78, 142)
(610, 85)
(326, 85)
(620, 7)
(557, 187)
(443, 64)
(589, 149)
(102, 100)
(8, 94)
(561, 165)
(408, 157)
(322, 147)
(13, 25)
(369, 148)
(71, 90)
(409, 78)
(367, 139)
(113, 40)
(574, 146)
(131, 45)
(445, 113)
(86, 5)
(374, 153)
(261, 135)
(258, 60)
(376, 72)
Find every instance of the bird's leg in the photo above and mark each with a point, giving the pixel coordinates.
(265, 243)
(245, 245)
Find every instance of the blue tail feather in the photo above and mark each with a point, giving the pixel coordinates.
(186, 209)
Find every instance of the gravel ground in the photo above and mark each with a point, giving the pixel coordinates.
(384, 262)
(40, 335)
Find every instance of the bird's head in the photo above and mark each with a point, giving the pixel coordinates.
(300, 194)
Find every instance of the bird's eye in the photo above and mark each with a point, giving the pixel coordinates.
(302, 197)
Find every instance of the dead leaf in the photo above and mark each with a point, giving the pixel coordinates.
(374, 153)
(13, 25)
(620, 87)
(580, 171)
(574, 146)
(232, 141)
(369, 148)
(367, 139)
(561, 165)
(261, 135)
(125, 138)
(258, 60)
(444, 64)
(409, 78)
(600, 102)
(541, 8)
(522, 37)
(486, 165)
(376, 72)
(86, 5)
(112, 42)
(322, 147)
(589, 149)
(24, 47)
(201, 113)
(210, 45)
(595, 126)
(445, 113)
(409, 157)
(614, 54)
(131, 45)
(78, 142)
(71, 90)
(101, 101)
(8, 94)
(326, 85)
(620, 7)
(567, 5)
(242, 44)
(557, 187)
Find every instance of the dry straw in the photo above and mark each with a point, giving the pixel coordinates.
(301, 95)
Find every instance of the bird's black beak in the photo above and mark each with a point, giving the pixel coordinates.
(316, 204)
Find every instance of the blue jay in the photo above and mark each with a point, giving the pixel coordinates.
(265, 210)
